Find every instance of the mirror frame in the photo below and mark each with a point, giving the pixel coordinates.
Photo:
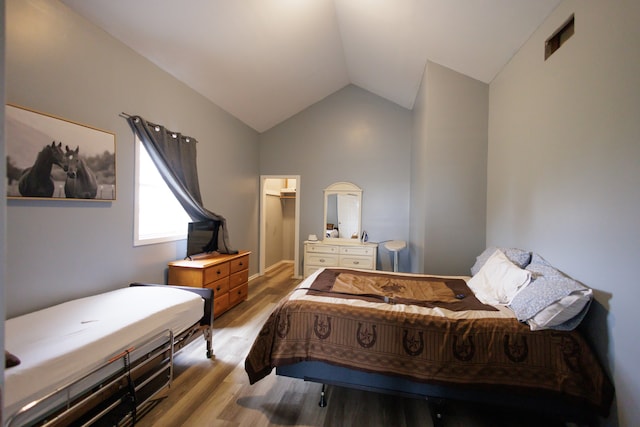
(342, 188)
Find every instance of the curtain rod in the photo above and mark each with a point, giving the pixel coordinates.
(127, 116)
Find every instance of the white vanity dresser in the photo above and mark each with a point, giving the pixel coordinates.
(330, 253)
(341, 245)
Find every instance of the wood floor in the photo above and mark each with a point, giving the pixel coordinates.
(216, 392)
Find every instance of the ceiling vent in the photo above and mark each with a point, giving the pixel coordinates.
(558, 38)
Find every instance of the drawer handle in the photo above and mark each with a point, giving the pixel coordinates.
(218, 289)
(356, 262)
(240, 264)
(218, 272)
(322, 260)
(239, 292)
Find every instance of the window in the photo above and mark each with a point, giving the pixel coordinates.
(159, 217)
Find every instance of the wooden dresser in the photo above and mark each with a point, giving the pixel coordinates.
(227, 275)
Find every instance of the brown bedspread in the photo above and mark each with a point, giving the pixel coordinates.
(435, 348)
(425, 291)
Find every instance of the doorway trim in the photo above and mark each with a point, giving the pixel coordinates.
(263, 223)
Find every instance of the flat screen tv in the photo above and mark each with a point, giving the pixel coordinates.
(202, 237)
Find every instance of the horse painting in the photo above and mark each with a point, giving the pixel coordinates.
(36, 180)
(81, 181)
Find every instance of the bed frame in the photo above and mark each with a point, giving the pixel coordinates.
(125, 387)
(206, 323)
(296, 339)
(436, 395)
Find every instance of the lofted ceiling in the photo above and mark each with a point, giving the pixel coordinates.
(265, 60)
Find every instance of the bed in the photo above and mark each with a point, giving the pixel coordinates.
(102, 359)
(436, 338)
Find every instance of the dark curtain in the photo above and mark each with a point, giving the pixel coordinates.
(175, 157)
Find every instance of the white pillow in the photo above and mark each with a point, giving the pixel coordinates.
(517, 256)
(561, 311)
(499, 280)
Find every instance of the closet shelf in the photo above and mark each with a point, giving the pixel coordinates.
(288, 193)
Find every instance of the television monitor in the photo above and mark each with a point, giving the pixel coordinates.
(202, 237)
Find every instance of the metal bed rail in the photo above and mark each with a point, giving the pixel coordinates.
(107, 390)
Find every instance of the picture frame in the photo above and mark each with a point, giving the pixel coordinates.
(49, 157)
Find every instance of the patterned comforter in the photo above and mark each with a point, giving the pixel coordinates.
(427, 329)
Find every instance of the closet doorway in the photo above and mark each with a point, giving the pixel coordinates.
(279, 221)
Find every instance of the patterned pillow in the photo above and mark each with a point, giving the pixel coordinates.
(517, 256)
(552, 300)
(540, 267)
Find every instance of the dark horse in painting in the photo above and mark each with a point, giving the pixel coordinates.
(81, 181)
(36, 181)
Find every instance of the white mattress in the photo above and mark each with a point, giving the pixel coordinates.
(63, 343)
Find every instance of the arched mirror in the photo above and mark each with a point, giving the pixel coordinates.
(342, 211)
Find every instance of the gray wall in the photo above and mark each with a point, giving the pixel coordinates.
(352, 135)
(448, 172)
(564, 171)
(59, 63)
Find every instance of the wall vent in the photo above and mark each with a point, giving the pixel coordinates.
(561, 35)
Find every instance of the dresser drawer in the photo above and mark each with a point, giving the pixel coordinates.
(356, 250)
(238, 294)
(220, 305)
(185, 277)
(322, 260)
(237, 279)
(239, 264)
(356, 262)
(323, 249)
(340, 254)
(216, 272)
(219, 287)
